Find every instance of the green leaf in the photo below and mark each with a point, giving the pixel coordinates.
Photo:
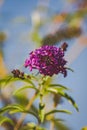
(32, 113)
(65, 95)
(5, 80)
(28, 81)
(58, 119)
(70, 69)
(84, 128)
(12, 107)
(15, 108)
(21, 98)
(42, 115)
(55, 111)
(36, 37)
(24, 87)
(5, 119)
(10, 79)
(53, 90)
(32, 126)
(40, 128)
(59, 86)
(70, 99)
(59, 125)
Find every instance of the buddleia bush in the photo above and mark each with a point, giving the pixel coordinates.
(46, 61)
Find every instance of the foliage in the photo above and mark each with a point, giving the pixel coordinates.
(41, 86)
(84, 128)
(21, 102)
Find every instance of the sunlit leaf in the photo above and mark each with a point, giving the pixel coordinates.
(58, 119)
(53, 90)
(84, 128)
(21, 98)
(5, 80)
(32, 126)
(55, 111)
(81, 13)
(11, 107)
(40, 128)
(10, 79)
(58, 85)
(59, 125)
(15, 108)
(36, 37)
(65, 95)
(4, 119)
(41, 115)
(70, 99)
(23, 88)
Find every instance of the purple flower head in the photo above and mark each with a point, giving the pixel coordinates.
(49, 60)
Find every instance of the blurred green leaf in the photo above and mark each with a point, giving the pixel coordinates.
(32, 126)
(23, 88)
(15, 108)
(42, 115)
(59, 86)
(3, 37)
(10, 79)
(84, 128)
(61, 34)
(55, 111)
(12, 107)
(65, 95)
(70, 99)
(21, 98)
(58, 119)
(4, 119)
(36, 37)
(81, 13)
(52, 90)
(5, 80)
(59, 125)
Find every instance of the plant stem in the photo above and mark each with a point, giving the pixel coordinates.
(52, 126)
(24, 115)
(55, 104)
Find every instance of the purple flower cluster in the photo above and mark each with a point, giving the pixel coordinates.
(49, 60)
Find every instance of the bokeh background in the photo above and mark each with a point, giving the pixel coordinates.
(28, 24)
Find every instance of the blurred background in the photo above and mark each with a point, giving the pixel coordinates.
(26, 25)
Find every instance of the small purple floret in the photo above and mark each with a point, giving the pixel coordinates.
(49, 60)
